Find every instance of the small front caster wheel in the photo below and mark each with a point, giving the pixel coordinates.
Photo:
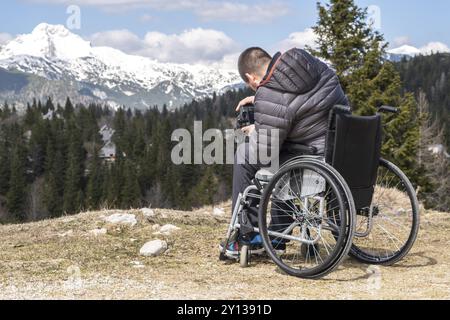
(244, 256)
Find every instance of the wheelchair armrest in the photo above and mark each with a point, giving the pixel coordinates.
(339, 109)
(388, 109)
(299, 148)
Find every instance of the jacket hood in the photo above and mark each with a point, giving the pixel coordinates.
(295, 71)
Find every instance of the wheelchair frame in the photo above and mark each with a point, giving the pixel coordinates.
(242, 201)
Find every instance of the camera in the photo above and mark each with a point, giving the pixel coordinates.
(246, 116)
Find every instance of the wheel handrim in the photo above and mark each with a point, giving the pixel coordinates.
(321, 225)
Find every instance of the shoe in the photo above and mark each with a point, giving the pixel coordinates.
(256, 241)
(256, 245)
(232, 248)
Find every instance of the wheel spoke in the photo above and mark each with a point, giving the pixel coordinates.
(310, 212)
(391, 230)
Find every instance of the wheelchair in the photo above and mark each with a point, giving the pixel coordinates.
(317, 209)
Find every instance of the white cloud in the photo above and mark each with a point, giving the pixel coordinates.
(434, 47)
(5, 38)
(195, 45)
(123, 40)
(232, 10)
(191, 46)
(401, 41)
(228, 62)
(299, 39)
(239, 12)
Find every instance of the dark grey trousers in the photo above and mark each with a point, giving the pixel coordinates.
(244, 173)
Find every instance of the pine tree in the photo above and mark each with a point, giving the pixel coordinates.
(5, 165)
(68, 109)
(113, 184)
(5, 111)
(54, 180)
(206, 189)
(119, 127)
(357, 53)
(49, 105)
(435, 188)
(17, 194)
(94, 188)
(73, 193)
(31, 115)
(38, 146)
(130, 193)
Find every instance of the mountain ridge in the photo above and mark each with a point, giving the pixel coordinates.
(104, 74)
(408, 51)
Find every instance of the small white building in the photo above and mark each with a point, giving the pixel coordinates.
(106, 133)
(108, 151)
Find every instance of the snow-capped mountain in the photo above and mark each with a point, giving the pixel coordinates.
(52, 61)
(408, 51)
(404, 51)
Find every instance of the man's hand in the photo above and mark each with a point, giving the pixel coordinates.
(248, 100)
(249, 129)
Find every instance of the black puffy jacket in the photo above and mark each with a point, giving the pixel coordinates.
(296, 97)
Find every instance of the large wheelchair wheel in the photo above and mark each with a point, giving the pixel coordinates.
(306, 218)
(386, 231)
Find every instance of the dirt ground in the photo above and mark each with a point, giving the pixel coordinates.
(62, 259)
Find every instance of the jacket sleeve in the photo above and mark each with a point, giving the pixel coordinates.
(272, 121)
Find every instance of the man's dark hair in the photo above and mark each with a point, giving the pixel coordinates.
(251, 60)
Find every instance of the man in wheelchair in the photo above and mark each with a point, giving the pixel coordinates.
(294, 95)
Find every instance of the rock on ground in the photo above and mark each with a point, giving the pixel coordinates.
(218, 212)
(148, 213)
(124, 218)
(153, 248)
(168, 229)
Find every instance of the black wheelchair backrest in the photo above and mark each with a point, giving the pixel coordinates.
(353, 148)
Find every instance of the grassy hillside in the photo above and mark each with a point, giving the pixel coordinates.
(63, 258)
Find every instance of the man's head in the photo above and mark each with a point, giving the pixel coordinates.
(252, 65)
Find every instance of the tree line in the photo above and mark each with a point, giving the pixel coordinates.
(431, 76)
(50, 161)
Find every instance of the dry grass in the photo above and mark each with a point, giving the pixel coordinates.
(60, 259)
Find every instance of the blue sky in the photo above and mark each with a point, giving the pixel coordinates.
(237, 24)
